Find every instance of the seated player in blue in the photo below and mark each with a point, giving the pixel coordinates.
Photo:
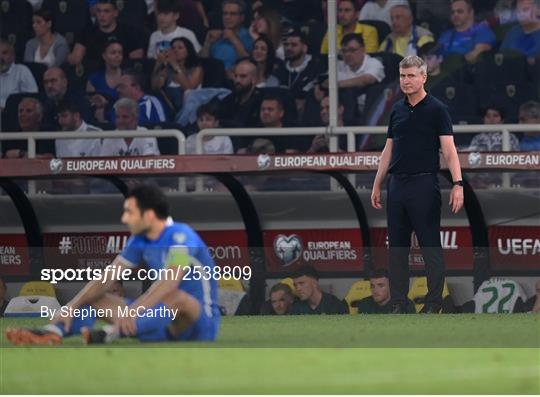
(181, 305)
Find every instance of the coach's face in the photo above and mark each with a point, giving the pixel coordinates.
(137, 222)
(305, 286)
(411, 80)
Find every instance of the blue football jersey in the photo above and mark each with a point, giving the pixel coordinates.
(155, 254)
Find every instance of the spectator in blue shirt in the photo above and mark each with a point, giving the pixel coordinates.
(234, 41)
(529, 113)
(150, 109)
(467, 38)
(525, 37)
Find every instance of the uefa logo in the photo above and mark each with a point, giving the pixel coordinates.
(263, 161)
(56, 166)
(475, 159)
(288, 248)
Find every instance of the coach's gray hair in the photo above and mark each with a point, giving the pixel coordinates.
(412, 61)
(531, 109)
(129, 104)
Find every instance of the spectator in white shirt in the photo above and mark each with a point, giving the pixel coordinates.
(355, 73)
(127, 118)
(208, 117)
(70, 119)
(14, 78)
(379, 10)
(167, 15)
(357, 69)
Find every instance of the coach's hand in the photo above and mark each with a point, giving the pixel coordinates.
(376, 198)
(127, 326)
(456, 198)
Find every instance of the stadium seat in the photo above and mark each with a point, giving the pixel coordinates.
(38, 70)
(15, 18)
(41, 288)
(359, 290)
(534, 70)
(32, 296)
(132, 13)
(71, 17)
(214, 73)
(459, 97)
(391, 65)
(145, 67)
(508, 95)
(77, 77)
(500, 67)
(30, 306)
(289, 281)
(434, 24)
(232, 285)
(418, 291)
(10, 120)
(232, 297)
(382, 27)
(168, 145)
(314, 32)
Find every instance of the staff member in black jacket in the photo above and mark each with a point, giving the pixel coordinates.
(419, 126)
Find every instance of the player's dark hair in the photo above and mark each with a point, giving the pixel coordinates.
(192, 59)
(111, 2)
(137, 78)
(297, 33)
(275, 98)
(281, 287)
(240, 3)
(353, 2)
(379, 273)
(68, 106)
(352, 37)
(306, 270)
(150, 198)
(166, 6)
(47, 16)
(497, 108)
(270, 54)
(210, 108)
(431, 48)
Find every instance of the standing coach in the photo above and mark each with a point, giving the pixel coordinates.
(419, 126)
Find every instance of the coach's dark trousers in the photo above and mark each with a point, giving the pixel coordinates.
(414, 204)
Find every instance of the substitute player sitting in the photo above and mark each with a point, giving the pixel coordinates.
(180, 306)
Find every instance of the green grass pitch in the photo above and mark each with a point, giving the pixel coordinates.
(494, 354)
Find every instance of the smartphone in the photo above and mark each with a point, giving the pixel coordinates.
(163, 46)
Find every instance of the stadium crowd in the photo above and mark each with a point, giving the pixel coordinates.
(86, 65)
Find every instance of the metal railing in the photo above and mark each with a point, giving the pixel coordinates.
(32, 137)
(331, 132)
(352, 132)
